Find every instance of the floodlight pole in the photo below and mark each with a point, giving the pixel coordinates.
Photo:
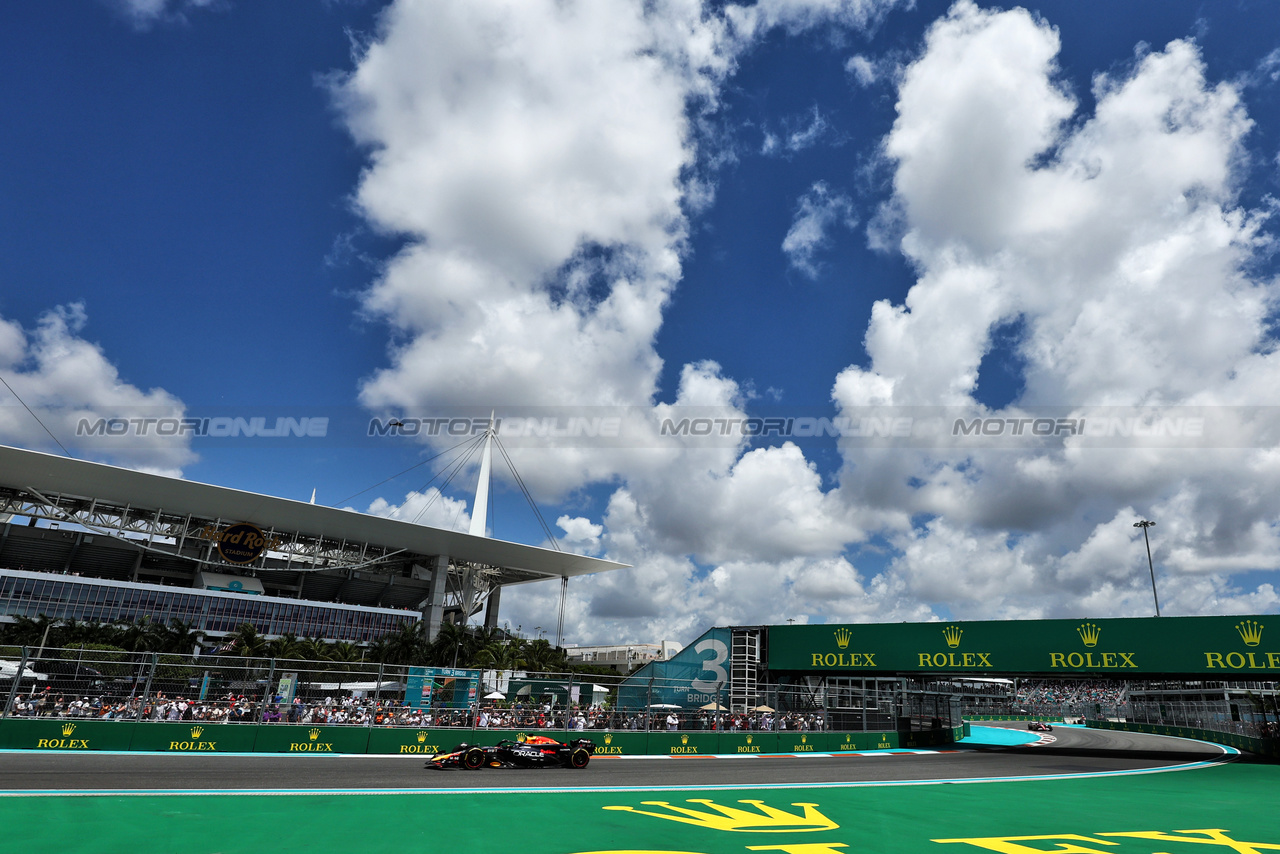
(1144, 525)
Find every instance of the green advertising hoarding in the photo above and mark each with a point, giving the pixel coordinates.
(282, 738)
(1221, 647)
(65, 734)
(194, 737)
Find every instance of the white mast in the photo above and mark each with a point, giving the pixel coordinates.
(481, 509)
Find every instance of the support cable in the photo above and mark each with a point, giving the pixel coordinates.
(36, 417)
(527, 494)
(406, 471)
(456, 467)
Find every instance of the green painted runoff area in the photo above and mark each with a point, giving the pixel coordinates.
(1177, 811)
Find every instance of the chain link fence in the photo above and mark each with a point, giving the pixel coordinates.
(118, 685)
(1251, 717)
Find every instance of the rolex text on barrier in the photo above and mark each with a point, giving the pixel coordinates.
(204, 737)
(312, 740)
(65, 734)
(1223, 647)
(193, 737)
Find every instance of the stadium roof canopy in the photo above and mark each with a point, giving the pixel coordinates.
(174, 526)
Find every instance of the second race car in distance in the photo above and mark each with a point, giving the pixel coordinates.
(537, 751)
(1039, 726)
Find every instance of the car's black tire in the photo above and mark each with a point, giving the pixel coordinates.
(473, 759)
(579, 758)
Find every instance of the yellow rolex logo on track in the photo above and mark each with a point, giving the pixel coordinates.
(765, 819)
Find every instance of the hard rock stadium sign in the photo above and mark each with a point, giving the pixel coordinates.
(1230, 647)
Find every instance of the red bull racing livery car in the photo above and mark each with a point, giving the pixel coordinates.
(537, 751)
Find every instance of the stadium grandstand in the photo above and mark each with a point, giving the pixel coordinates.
(87, 541)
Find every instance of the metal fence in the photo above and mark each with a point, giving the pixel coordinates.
(1233, 716)
(117, 685)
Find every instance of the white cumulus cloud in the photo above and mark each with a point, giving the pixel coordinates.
(1116, 242)
(68, 382)
(818, 211)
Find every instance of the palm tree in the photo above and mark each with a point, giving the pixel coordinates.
(28, 632)
(246, 641)
(407, 645)
(285, 646)
(514, 653)
(488, 657)
(179, 637)
(500, 653)
(73, 632)
(344, 651)
(451, 647)
(542, 657)
(313, 649)
(379, 650)
(141, 635)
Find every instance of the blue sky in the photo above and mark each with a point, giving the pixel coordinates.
(792, 209)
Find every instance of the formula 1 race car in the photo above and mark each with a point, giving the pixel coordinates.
(537, 751)
(1038, 726)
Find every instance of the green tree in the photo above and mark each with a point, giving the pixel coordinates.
(501, 653)
(407, 645)
(29, 632)
(285, 646)
(179, 637)
(452, 644)
(542, 657)
(246, 641)
(344, 651)
(314, 649)
(141, 635)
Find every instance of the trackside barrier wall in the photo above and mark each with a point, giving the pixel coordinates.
(1049, 719)
(1261, 746)
(197, 737)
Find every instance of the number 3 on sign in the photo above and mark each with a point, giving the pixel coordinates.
(719, 655)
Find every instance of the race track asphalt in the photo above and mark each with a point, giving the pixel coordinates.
(1076, 751)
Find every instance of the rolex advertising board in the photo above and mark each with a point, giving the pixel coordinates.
(1220, 647)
